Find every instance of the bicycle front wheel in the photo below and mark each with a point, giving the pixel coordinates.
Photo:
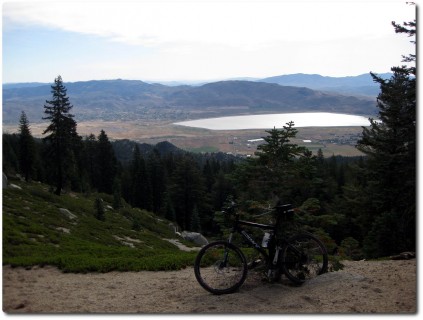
(220, 267)
(304, 257)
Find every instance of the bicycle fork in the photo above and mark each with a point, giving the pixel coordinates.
(224, 263)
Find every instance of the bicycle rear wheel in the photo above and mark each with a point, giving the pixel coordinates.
(304, 257)
(220, 267)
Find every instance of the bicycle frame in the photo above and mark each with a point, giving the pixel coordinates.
(237, 228)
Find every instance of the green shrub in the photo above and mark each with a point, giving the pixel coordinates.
(36, 233)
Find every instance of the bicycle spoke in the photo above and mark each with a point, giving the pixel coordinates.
(305, 257)
(220, 268)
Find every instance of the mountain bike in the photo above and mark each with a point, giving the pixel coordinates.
(221, 267)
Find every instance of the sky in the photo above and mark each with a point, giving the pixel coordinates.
(199, 40)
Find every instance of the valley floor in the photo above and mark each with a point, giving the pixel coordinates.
(332, 140)
(361, 287)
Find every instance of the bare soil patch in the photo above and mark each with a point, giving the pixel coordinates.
(362, 287)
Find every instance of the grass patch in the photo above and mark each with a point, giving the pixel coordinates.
(203, 149)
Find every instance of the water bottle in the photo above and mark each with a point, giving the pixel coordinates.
(265, 240)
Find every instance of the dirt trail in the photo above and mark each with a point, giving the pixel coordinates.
(362, 287)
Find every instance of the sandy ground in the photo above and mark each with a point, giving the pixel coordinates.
(362, 287)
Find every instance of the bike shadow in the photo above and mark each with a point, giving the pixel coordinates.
(258, 279)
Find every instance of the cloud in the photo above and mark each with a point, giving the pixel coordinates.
(200, 39)
(245, 25)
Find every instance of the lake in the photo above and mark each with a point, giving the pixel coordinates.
(268, 121)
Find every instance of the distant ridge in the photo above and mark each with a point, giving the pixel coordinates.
(23, 85)
(119, 99)
(361, 85)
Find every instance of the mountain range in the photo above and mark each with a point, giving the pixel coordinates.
(135, 99)
(359, 85)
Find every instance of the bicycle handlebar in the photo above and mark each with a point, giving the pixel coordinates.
(231, 208)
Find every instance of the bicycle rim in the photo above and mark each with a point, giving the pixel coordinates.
(304, 257)
(220, 267)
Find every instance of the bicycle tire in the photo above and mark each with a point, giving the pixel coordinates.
(304, 257)
(216, 276)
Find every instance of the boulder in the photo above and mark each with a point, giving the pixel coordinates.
(67, 213)
(195, 237)
(404, 256)
(14, 186)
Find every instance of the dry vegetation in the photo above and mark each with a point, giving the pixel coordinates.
(334, 140)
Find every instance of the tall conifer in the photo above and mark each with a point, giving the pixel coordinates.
(62, 135)
(390, 146)
(26, 147)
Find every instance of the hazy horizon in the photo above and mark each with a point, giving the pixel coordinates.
(201, 41)
(199, 81)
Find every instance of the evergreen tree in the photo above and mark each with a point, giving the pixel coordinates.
(90, 159)
(117, 192)
(10, 161)
(62, 135)
(187, 189)
(157, 179)
(282, 168)
(167, 209)
(390, 146)
(106, 164)
(99, 212)
(278, 149)
(140, 193)
(195, 220)
(221, 189)
(208, 175)
(26, 148)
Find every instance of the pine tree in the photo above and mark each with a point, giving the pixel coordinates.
(89, 156)
(278, 149)
(278, 169)
(390, 146)
(26, 147)
(62, 136)
(140, 182)
(106, 164)
(187, 189)
(167, 209)
(99, 212)
(117, 194)
(157, 179)
(195, 220)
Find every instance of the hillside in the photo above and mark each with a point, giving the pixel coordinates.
(136, 100)
(40, 228)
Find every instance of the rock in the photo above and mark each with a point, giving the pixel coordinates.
(64, 230)
(173, 227)
(195, 237)
(404, 256)
(181, 246)
(14, 186)
(67, 213)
